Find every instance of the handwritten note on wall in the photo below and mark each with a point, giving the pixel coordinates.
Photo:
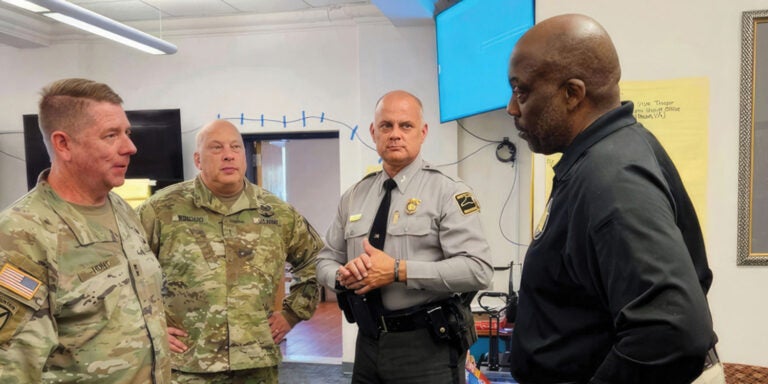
(677, 112)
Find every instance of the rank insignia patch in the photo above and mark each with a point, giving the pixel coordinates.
(467, 203)
(18, 281)
(266, 210)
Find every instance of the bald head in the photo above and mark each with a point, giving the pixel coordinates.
(394, 96)
(220, 157)
(214, 126)
(564, 73)
(573, 46)
(398, 130)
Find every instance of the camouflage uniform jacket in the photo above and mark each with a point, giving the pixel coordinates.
(78, 303)
(222, 266)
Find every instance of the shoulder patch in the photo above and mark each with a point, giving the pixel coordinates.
(6, 312)
(467, 203)
(12, 316)
(18, 281)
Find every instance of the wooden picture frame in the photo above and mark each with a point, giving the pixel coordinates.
(752, 234)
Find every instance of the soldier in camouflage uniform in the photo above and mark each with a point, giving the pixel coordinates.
(80, 298)
(223, 243)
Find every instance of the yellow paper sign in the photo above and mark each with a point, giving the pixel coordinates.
(677, 112)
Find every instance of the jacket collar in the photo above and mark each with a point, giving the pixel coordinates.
(404, 177)
(605, 125)
(204, 198)
(85, 231)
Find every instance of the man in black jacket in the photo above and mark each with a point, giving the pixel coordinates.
(614, 283)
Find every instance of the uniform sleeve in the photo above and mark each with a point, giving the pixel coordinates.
(660, 314)
(148, 219)
(334, 253)
(23, 357)
(148, 216)
(466, 265)
(27, 332)
(305, 243)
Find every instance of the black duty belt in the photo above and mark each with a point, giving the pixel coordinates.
(409, 319)
(711, 359)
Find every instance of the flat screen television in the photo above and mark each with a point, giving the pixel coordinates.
(156, 134)
(474, 41)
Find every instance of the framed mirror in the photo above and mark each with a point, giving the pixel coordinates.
(753, 141)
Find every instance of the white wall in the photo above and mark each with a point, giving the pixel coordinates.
(278, 73)
(503, 190)
(342, 68)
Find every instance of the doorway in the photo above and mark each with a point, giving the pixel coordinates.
(303, 169)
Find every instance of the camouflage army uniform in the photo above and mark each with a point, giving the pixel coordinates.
(77, 302)
(222, 266)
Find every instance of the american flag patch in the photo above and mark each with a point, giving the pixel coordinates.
(18, 281)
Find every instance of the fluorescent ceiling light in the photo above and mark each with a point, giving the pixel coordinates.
(92, 22)
(27, 5)
(102, 32)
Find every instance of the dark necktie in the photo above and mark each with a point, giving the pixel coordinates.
(366, 310)
(376, 237)
(378, 232)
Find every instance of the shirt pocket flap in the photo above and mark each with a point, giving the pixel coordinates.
(358, 228)
(413, 226)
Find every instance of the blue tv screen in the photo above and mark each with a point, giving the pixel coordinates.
(474, 41)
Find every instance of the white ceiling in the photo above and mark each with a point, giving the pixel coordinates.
(136, 10)
(24, 29)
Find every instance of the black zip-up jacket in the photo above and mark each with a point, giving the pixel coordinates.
(614, 287)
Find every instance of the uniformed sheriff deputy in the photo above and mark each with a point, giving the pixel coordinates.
(80, 297)
(419, 331)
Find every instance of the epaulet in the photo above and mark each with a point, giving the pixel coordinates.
(371, 174)
(184, 186)
(366, 177)
(430, 168)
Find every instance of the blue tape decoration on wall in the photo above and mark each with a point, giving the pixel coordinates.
(242, 119)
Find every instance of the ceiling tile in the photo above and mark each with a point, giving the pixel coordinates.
(268, 6)
(325, 3)
(122, 10)
(193, 8)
